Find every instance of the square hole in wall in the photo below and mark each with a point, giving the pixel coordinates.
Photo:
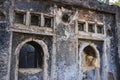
(35, 20)
(48, 21)
(91, 27)
(100, 29)
(19, 17)
(81, 26)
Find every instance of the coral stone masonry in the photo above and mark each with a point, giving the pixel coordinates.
(59, 40)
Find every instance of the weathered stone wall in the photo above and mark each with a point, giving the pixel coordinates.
(65, 49)
(4, 51)
(66, 54)
(4, 42)
(106, 49)
(63, 40)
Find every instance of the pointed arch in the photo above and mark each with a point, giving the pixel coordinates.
(89, 57)
(90, 48)
(96, 67)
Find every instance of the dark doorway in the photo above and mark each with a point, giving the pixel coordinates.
(31, 55)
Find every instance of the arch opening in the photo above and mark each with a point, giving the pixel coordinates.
(31, 55)
(89, 57)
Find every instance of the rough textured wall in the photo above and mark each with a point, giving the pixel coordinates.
(109, 52)
(63, 40)
(107, 48)
(66, 36)
(4, 41)
(65, 49)
(4, 51)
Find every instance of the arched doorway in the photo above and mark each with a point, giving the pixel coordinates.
(89, 58)
(32, 56)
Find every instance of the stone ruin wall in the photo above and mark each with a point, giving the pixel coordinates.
(64, 41)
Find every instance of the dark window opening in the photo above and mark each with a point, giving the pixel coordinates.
(100, 29)
(2, 16)
(66, 18)
(31, 56)
(19, 18)
(91, 28)
(48, 21)
(81, 26)
(35, 20)
(89, 57)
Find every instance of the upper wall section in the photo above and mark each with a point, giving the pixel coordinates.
(33, 6)
(27, 11)
(89, 4)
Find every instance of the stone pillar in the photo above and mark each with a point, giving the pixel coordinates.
(65, 48)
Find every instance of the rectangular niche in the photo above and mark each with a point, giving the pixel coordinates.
(48, 21)
(20, 17)
(100, 29)
(91, 27)
(81, 26)
(35, 19)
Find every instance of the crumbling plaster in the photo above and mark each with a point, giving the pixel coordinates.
(63, 41)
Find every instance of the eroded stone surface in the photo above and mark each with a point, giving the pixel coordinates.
(63, 44)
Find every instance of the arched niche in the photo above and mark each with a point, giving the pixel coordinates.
(31, 56)
(89, 62)
(32, 47)
(89, 57)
